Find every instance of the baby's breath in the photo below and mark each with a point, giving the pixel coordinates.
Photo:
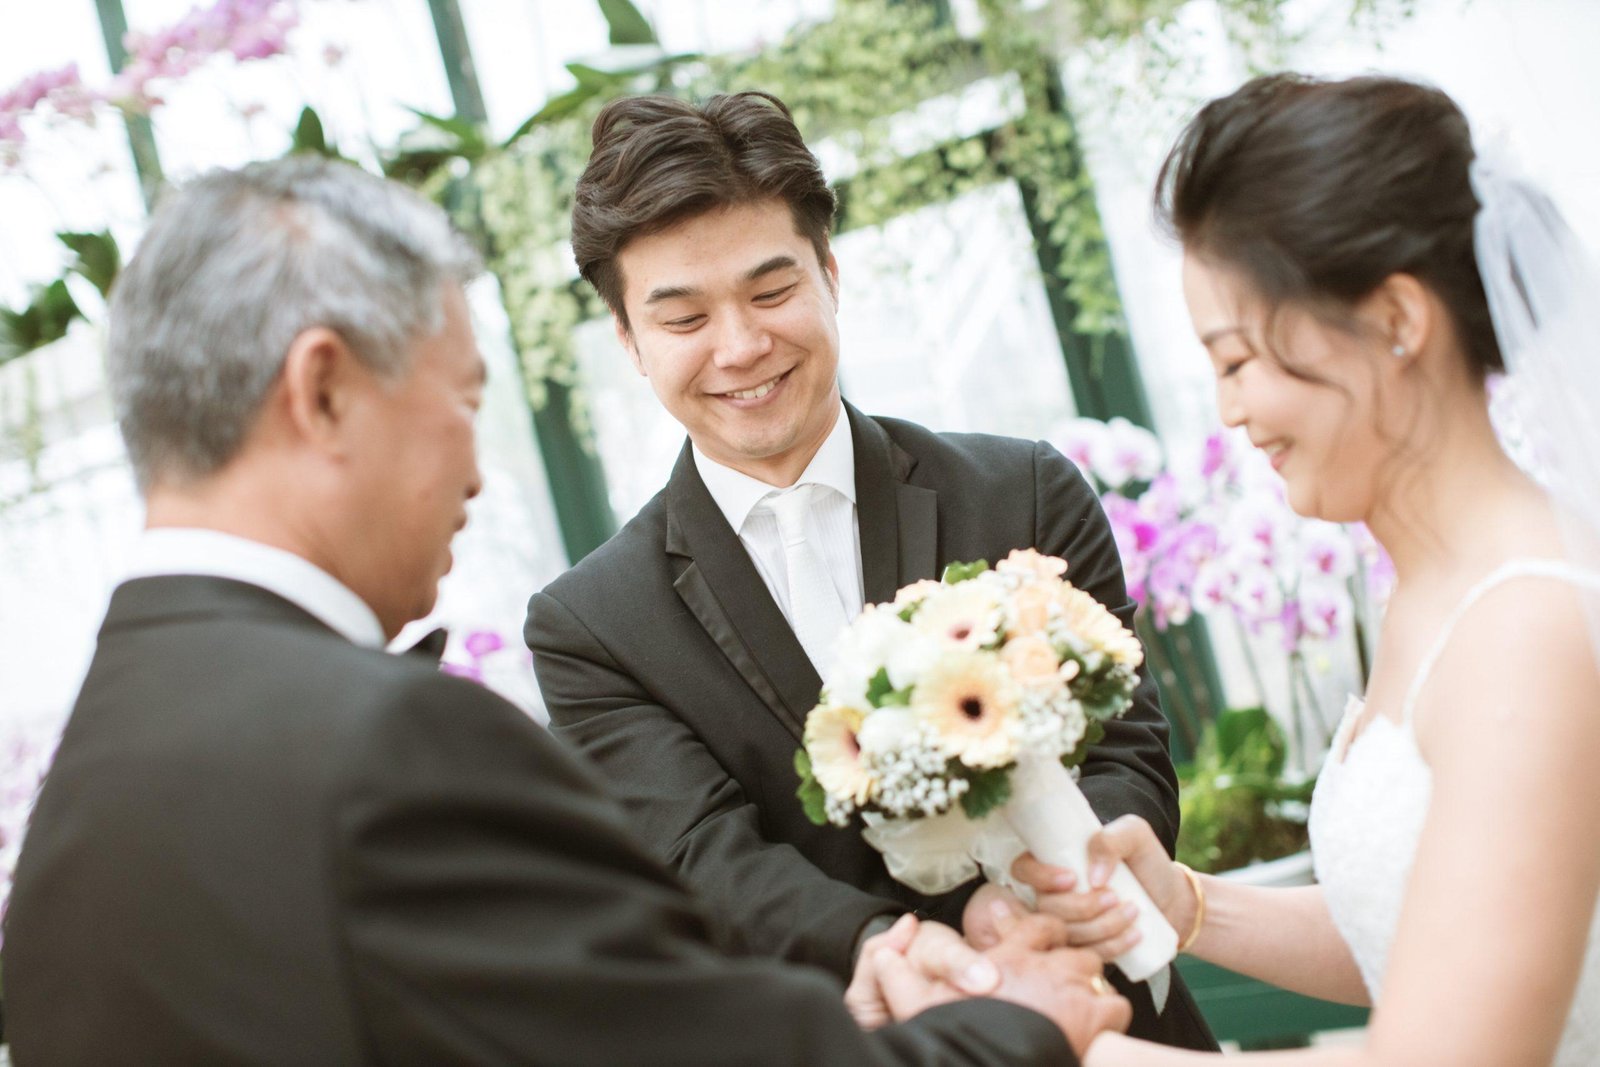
(913, 779)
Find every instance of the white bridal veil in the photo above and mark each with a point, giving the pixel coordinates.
(1544, 298)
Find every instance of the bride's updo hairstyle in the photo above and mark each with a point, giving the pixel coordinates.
(1316, 191)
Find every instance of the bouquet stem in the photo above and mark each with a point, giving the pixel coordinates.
(1053, 818)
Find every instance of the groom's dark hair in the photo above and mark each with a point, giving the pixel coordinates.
(659, 160)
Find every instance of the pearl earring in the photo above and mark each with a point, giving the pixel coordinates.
(1399, 351)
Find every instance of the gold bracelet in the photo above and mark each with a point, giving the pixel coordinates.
(1199, 905)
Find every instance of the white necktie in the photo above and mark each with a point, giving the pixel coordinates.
(814, 608)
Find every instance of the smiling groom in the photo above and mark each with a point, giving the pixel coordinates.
(683, 655)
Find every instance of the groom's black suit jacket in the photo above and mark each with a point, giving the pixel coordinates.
(262, 844)
(663, 657)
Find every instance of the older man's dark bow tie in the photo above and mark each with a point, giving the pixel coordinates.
(431, 645)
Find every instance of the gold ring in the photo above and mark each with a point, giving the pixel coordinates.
(1100, 986)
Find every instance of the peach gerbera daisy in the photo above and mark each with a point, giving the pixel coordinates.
(835, 752)
(1088, 620)
(970, 703)
(1031, 563)
(966, 616)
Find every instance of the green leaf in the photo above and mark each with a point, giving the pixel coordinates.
(44, 321)
(309, 138)
(1095, 734)
(881, 692)
(813, 798)
(415, 166)
(10, 339)
(98, 258)
(988, 791)
(1104, 694)
(1248, 740)
(963, 572)
(467, 138)
(593, 78)
(628, 26)
(1235, 727)
(554, 110)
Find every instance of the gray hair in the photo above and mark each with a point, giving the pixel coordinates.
(235, 266)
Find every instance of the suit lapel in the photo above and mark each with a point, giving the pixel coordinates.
(899, 522)
(721, 587)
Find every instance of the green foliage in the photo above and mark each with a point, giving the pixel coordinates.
(881, 692)
(1104, 694)
(845, 79)
(465, 138)
(44, 320)
(1092, 735)
(97, 258)
(426, 153)
(523, 221)
(627, 25)
(595, 87)
(986, 792)
(1040, 150)
(309, 138)
(516, 202)
(813, 800)
(24, 438)
(1236, 805)
(956, 573)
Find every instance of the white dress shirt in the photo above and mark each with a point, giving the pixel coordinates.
(832, 528)
(169, 550)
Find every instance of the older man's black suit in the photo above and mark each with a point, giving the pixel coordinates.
(262, 844)
(664, 658)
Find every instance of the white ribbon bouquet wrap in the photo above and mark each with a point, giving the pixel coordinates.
(949, 721)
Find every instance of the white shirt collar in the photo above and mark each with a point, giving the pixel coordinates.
(737, 494)
(172, 550)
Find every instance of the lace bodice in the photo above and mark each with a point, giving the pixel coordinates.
(1367, 815)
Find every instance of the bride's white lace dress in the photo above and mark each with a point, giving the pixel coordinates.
(1367, 816)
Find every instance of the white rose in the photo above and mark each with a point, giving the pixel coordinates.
(860, 652)
(911, 656)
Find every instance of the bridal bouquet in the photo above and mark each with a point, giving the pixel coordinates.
(949, 720)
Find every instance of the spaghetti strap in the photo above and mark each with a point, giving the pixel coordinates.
(1516, 568)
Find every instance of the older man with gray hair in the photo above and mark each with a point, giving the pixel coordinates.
(264, 840)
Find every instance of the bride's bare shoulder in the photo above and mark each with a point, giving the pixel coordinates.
(1522, 657)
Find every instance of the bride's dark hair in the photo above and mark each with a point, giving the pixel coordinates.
(1319, 190)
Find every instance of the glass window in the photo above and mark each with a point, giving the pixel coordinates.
(944, 319)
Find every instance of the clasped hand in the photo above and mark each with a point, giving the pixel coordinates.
(916, 965)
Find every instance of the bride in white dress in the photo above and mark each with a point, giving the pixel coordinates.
(1330, 271)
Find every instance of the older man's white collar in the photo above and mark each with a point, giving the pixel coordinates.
(737, 494)
(180, 550)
